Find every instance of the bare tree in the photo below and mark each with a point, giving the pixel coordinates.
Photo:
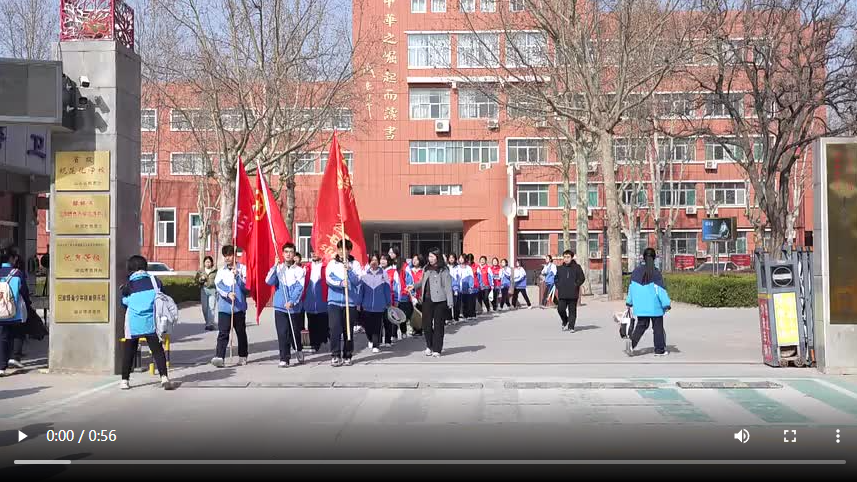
(777, 70)
(260, 81)
(28, 28)
(587, 64)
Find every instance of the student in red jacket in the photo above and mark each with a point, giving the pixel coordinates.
(486, 283)
(495, 276)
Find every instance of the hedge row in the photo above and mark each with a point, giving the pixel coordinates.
(180, 288)
(729, 290)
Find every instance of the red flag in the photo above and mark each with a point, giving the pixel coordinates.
(267, 237)
(242, 220)
(336, 214)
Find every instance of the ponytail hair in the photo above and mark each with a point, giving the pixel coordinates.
(649, 256)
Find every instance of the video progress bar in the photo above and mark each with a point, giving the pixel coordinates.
(423, 462)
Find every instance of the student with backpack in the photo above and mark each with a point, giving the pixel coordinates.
(14, 303)
(139, 295)
(649, 299)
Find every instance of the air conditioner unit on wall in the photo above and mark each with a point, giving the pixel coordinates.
(711, 165)
(493, 124)
(589, 212)
(484, 166)
(523, 212)
(690, 210)
(441, 125)
(701, 254)
(541, 122)
(594, 254)
(592, 167)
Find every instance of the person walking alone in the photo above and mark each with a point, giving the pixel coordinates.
(436, 296)
(649, 299)
(13, 329)
(208, 293)
(288, 278)
(231, 307)
(548, 276)
(520, 277)
(569, 279)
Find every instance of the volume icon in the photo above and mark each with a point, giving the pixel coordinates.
(742, 436)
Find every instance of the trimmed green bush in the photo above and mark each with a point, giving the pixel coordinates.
(180, 288)
(724, 291)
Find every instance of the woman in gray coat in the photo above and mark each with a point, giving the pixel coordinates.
(436, 288)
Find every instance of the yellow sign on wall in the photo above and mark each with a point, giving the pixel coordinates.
(83, 258)
(82, 214)
(785, 313)
(81, 301)
(83, 171)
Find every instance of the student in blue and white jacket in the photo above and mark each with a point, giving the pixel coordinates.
(340, 277)
(138, 296)
(12, 329)
(231, 307)
(375, 298)
(549, 276)
(289, 280)
(648, 296)
(466, 280)
(505, 283)
(455, 272)
(520, 278)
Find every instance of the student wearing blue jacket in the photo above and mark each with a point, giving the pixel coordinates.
(231, 284)
(138, 296)
(340, 277)
(505, 283)
(12, 329)
(519, 275)
(549, 277)
(455, 272)
(375, 298)
(466, 281)
(648, 297)
(288, 278)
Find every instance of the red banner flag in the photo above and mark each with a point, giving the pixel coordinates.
(267, 237)
(242, 221)
(336, 214)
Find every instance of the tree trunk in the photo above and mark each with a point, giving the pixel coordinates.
(566, 208)
(227, 212)
(582, 186)
(667, 249)
(614, 220)
(290, 197)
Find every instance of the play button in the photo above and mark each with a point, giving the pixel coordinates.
(21, 436)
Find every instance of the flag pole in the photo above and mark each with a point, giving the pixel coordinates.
(346, 265)
(234, 256)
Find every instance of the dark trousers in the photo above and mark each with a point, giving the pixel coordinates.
(341, 339)
(408, 309)
(504, 297)
(567, 308)
(319, 330)
(497, 302)
(456, 307)
(434, 321)
(469, 304)
(388, 327)
(546, 297)
(372, 322)
(523, 292)
(225, 323)
(485, 299)
(129, 351)
(288, 333)
(658, 328)
(11, 343)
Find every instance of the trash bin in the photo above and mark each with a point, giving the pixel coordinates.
(785, 307)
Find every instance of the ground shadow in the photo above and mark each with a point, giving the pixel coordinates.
(23, 392)
(586, 327)
(651, 350)
(213, 375)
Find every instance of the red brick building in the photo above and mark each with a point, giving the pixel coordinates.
(430, 157)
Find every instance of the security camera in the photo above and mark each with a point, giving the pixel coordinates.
(84, 81)
(82, 102)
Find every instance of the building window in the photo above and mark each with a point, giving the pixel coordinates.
(339, 120)
(676, 150)
(533, 195)
(714, 107)
(675, 105)
(438, 6)
(683, 243)
(428, 50)
(726, 194)
(475, 104)
(628, 150)
(418, 6)
(467, 5)
(187, 164)
(518, 107)
(454, 152)
(533, 245)
(489, 6)
(429, 103)
(189, 119)
(195, 223)
(679, 194)
(436, 190)
(349, 161)
(722, 151)
(592, 196)
(593, 246)
(165, 225)
(479, 50)
(233, 119)
(642, 244)
(739, 246)
(635, 191)
(526, 49)
(526, 151)
(304, 163)
(304, 243)
(517, 5)
(148, 119)
(148, 164)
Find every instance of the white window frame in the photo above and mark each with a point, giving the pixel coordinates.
(530, 191)
(154, 113)
(667, 148)
(193, 173)
(454, 152)
(713, 146)
(541, 240)
(233, 120)
(722, 112)
(542, 150)
(192, 114)
(323, 156)
(191, 239)
(303, 242)
(590, 190)
(166, 223)
(685, 237)
(438, 6)
(738, 187)
(467, 6)
(415, 6)
(530, 48)
(430, 44)
(672, 99)
(419, 95)
(154, 164)
(516, 6)
(443, 189)
(488, 6)
(470, 100)
(478, 50)
(677, 191)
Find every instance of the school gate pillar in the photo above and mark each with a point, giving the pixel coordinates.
(95, 196)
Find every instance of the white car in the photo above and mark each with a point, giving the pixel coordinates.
(160, 269)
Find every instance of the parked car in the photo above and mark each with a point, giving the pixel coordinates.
(722, 267)
(160, 269)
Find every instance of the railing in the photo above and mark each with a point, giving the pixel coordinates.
(97, 20)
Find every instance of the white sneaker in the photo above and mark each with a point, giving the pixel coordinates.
(242, 361)
(629, 350)
(530, 307)
(348, 362)
(435, 355)
(358, 329)
(371, 345)
(427, 352)
(661, 355)
(166, 384)
(124, 385)
(376, 350)
(217, 361)
(16, 364)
